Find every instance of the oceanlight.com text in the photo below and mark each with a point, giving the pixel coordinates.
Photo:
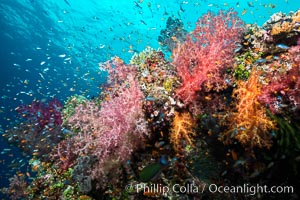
(250, 189)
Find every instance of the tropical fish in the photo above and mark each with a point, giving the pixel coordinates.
(262, 60)
(67, 2)
(282, 46)
(153, 170)
(62, 55)
(150, 98)
(143, 22)
(244, 11)
(181, 9)
(250, 4)
(137, 5)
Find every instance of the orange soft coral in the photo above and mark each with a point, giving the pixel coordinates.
(249, 124)
(182, 130)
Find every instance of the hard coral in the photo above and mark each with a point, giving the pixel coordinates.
(182, 130)
(284, 27)
(203, 59)
(249, 124)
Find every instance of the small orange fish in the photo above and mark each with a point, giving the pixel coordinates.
(35, 167)
(174, 38)
(23, 141)
(269, 57)
(63, 159)
(20, 174)
(234, 155)
(244, 11)
(207, 98)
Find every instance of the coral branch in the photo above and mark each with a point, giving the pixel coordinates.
(203, 59)
(182, 130)
(249, 124)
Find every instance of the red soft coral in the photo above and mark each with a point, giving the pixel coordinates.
(202, 60)
(283, 91)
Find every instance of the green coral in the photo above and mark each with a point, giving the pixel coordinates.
(68, 192)
(240, 72)
(244, 63)
(138, 59)
(70, 104)
(287, 134)
(288, 140)
(169, 85)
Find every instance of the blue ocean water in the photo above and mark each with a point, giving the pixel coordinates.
(52, 48)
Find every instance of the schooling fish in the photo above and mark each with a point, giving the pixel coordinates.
(153, 170)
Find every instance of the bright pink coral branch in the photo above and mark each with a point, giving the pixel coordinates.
(207, 53)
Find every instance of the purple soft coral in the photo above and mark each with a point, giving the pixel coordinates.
(43, 113)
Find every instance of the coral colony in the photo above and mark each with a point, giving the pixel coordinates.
(223, 111)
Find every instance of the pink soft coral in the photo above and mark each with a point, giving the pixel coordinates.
(112, 131)
(202, 60)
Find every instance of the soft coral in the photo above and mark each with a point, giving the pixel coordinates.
(202, 60)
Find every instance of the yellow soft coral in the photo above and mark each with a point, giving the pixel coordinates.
(249, 124)
(182, 130)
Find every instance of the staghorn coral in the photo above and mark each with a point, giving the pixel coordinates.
(249, 124)
(204, 59)
(182, 130)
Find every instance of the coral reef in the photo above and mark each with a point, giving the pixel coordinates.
(281, 23)
(157, 80)
(238, 123)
